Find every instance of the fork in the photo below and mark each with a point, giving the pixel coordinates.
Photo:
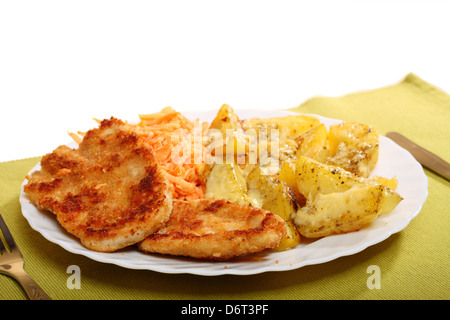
(11, 264)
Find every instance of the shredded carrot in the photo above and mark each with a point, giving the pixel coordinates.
(178, 148)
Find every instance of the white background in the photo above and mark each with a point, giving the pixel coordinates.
(64, 62)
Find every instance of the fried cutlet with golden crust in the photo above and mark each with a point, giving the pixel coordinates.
(110, 192)
(214, 229)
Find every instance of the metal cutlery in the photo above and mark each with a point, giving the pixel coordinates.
(11, 264)
(423, 156)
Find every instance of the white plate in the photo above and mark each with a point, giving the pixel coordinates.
(393, 161)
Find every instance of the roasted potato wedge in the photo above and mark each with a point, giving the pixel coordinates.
(314, 143)
(226, 119)
(321, 183)
(335, 213)
(350, 145)
(234, 144)
(282, 203)
(226, 181)
(260, 186)
(287, 175)
(314, 177)
(390, 183)
(354, 147)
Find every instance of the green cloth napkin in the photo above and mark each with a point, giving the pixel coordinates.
(413, 264)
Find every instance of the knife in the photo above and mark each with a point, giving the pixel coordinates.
(423, 156)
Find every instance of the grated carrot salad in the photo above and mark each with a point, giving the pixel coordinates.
(167, 132)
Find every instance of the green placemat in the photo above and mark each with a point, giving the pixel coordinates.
(413, 264)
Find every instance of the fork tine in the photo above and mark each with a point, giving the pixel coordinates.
(8, 236)
(2, 246)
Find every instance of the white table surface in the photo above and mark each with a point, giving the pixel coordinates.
(64, 62)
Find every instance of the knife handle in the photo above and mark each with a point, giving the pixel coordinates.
(423, 156)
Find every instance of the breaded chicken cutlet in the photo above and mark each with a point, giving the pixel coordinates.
(110, 192)
(214, 229)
